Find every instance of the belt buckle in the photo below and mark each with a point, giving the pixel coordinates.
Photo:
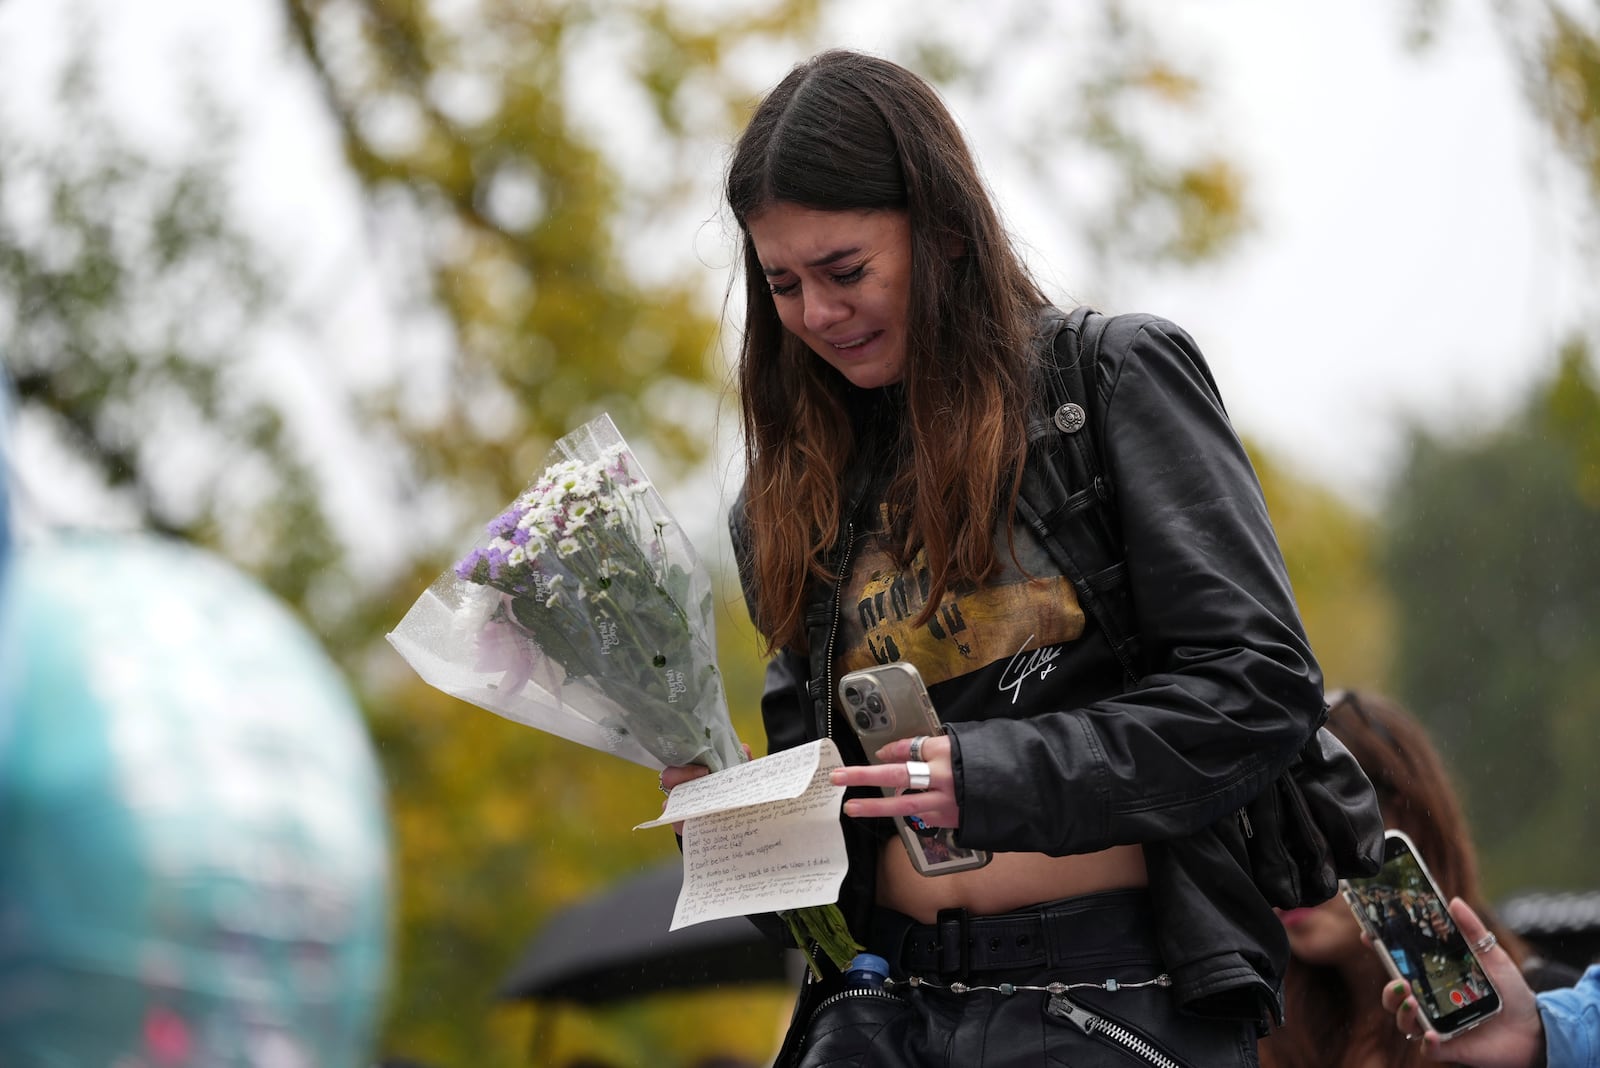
(948, 922)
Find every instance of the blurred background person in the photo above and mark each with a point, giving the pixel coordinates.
(1333, 1015)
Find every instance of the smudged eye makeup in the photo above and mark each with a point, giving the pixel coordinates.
(845, 278)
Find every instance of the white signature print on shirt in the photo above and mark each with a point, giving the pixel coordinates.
(1024, 665)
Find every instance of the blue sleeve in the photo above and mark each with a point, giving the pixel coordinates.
(1572, 1023)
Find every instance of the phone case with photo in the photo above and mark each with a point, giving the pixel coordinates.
(888, 702)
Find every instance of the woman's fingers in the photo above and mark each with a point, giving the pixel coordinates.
(933, 748)
(901, 775)
(1510, 1039)
(678, 774)
(924, 787)
(1394, 996)
(1495, 960)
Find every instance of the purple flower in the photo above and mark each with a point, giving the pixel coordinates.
(468, 567)
(506, 522)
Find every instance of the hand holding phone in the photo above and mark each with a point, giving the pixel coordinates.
(1516, 1034)
(1410, 926)
(890, 702)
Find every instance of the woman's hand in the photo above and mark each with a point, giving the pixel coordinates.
(935, 804)
(675, 775)
(1513, 1038)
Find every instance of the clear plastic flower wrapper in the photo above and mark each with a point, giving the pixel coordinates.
(584, 611)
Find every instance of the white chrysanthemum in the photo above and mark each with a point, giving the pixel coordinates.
(584, 514)
(568, 546)
(559, 471)
(587, 483)
(558, 485)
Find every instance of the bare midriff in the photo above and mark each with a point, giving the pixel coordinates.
(1009, 881)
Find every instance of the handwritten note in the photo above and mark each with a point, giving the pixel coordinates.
(760, 837)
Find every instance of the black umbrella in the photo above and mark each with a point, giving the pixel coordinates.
(616, 946)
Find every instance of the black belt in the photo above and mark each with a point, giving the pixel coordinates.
(1095, 929)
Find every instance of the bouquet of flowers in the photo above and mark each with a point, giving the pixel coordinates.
(584, 611)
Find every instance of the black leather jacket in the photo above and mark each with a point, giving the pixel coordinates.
(1227, 688)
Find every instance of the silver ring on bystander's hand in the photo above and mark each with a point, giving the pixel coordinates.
(1486, 943)
(919, 774)
(662, 786)
(916, 746)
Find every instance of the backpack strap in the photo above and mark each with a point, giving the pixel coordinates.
(1076, 375)
(1066, 496)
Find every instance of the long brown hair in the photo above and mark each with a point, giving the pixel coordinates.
(847, 131)
(1327, 1021)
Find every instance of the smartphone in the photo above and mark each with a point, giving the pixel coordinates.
(1404, 914)
(888, 702)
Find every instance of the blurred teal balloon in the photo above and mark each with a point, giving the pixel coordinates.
(5, 473)
(194, 851)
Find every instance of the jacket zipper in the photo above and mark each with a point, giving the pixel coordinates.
(1091, 1024)
(852, 992)
(833, 629)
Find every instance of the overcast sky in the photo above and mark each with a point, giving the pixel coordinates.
(1418, 246)
(1414, 258)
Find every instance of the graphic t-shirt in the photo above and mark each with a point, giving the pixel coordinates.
(1016, 646)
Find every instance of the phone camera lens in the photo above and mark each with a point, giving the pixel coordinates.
(863, 720)
(874, 703)
(852, 695)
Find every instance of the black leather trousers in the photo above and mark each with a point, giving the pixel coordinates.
(1074, 982)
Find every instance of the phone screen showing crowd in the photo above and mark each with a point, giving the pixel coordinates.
(1406, 916)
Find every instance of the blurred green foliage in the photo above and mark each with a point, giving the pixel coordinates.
(1490, 551)
(1330, 548)
(1566, 78)
(121, 301)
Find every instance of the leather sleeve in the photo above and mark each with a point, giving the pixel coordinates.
(783, 706)
(1231, 689)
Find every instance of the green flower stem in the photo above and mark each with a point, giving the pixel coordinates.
(823, 926)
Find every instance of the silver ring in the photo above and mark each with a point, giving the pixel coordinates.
(920, 774)
(916, 746)
(662, 786)
(1486, 943)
